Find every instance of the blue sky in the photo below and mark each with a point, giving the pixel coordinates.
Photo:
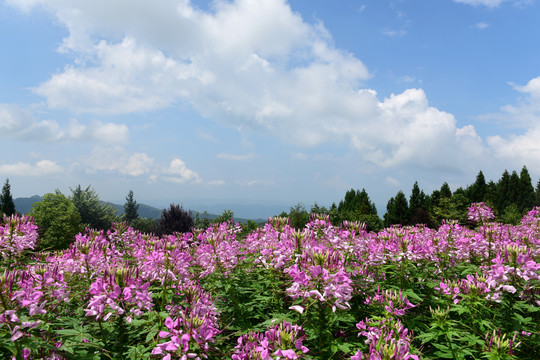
(266, 101)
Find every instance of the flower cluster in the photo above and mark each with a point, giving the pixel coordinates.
(282, 341)
(191, 326)
(387, 339)
(321, 269)
(394, 302)
(118, 293)
(17, 234)
(480, 212)
(472, 284)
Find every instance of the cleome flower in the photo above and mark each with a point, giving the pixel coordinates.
(282, 341)
(320, 273)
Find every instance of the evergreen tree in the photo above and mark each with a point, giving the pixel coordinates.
(490, 198)
(526, 196)
(478, 190)
(418, 207)
(435, 198)
(357, 206)
(537, 193)
(503, 190)
(94, 213)
(397, 210)
(513, 189)
(131, 208)
(445, 191)
(7, 206)
(415, 200)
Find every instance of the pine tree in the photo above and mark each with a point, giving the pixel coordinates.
(414, 200)
(526, 191)
(397, 210)
(503, 189)
(131, 208)
(94, 213)
(445, 191)
(537, 193)
(478, 190)
(418, 207)
(7, 206)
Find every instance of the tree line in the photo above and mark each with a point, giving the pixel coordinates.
(61, 217)
(510, 198)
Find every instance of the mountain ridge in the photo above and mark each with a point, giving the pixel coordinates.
(24, 204)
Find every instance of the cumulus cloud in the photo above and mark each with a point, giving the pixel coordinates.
(179, 173)
(520, 148)
(526, 113)
(249, 64)
(40, 168)
(20, 124)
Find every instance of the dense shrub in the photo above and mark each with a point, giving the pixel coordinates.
(174, 219)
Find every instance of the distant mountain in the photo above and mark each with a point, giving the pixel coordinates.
(242, 212)
(23, 205)
(145, 211)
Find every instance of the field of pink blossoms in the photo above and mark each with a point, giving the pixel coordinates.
(328, 291)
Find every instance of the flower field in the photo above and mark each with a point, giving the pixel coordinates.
(328, 291)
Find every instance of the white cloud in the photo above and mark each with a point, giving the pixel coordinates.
(488, 3)
(481, 25)
(118, 159)
(526, 113)
(392, 181)
(521, 148)
(233, 157)
(494, 3)
(40, 168)
(252, 65)
(216, 182)
(179, 173)
(254, 182)
(137, 164)
(393, 33)
(20, 124)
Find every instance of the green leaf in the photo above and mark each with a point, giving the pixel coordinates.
(68, 332)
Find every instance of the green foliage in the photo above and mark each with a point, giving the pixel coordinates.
(144, 225)
(226, 216)
(131, 208)
(7, 206)
(58, 221)
(201, 221)
(511, 215)
(94, 213)
(298, 216)
(454, 208)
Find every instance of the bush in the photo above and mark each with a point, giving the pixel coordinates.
(173, 220)
(57, 219)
